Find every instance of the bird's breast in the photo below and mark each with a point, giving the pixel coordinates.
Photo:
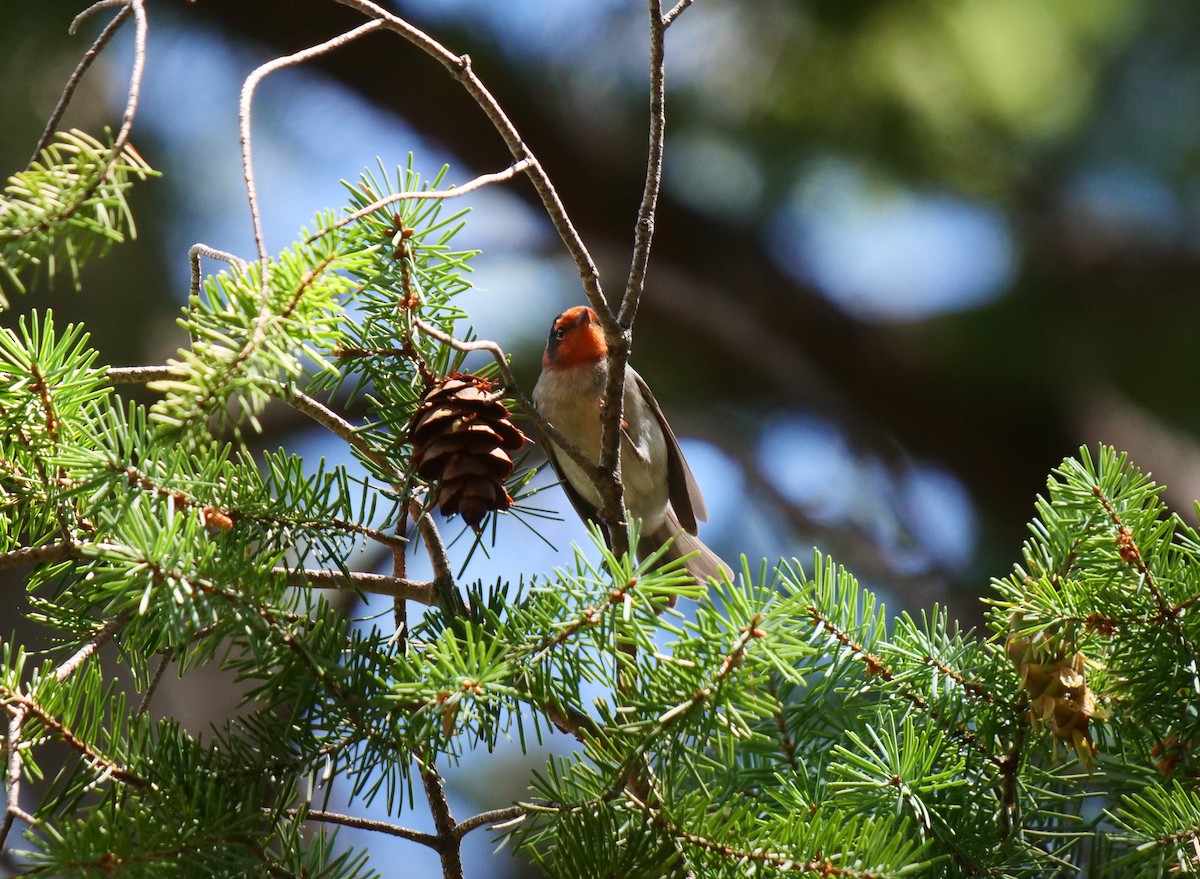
(571, 400)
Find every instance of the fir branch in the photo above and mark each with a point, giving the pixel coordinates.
(1128, 549)
(875, 667)
(20, 707)
(779, 861)
(786, 744)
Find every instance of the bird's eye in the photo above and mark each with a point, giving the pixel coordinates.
(559, 332)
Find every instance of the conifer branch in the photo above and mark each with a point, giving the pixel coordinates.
(20, 708)
(875, 667)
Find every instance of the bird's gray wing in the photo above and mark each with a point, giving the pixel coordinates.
(683, 490)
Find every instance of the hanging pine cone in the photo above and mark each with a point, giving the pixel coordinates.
(462, 438)
(1055, 678)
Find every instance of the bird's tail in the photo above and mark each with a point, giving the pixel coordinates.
(702, 566)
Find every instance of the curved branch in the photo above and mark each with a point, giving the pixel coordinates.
(460, 68)
(248, 87)
(76, 77)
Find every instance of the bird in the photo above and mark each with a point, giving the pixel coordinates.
(659, 486)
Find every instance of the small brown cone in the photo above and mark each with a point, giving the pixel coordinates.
(1055, 678)
(462, 439)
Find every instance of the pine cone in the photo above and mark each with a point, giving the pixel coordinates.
(1059, 697)
(462, 436)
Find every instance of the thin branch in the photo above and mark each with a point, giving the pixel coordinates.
(482, 180)
(460, 68)
(247, 95)
(135, 87)
(426, 839)
(494, 816)
(138, 375)
(76, 77)
(669, 18)
(163, 662)
(355, 581)
(198, 250)
(13, 810)
(449, 843)
(27, 556)
(327, 418)
(644, 230)
(18, 703)
(439, 559)
(98, 640)
(620, 337)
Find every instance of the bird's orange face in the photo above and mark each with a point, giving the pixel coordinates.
(576, 338)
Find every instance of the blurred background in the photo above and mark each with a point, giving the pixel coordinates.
(909, 253)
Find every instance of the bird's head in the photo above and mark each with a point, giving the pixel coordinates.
(576, 339)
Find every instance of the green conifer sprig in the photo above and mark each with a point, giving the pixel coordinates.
(66, 206)
(243, 347)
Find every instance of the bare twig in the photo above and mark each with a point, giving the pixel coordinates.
(98, 640)
(196, 251)
(163, 662)
(620, 338)
(135, 87)
(482, 180)
(669, 18)
(644, 229)
(138, 375)
(439, 559)
(76, 77)
(247, 96)
(332, 421)
(460, 68)
(427, 839)
(493, 816)
(375, 584)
